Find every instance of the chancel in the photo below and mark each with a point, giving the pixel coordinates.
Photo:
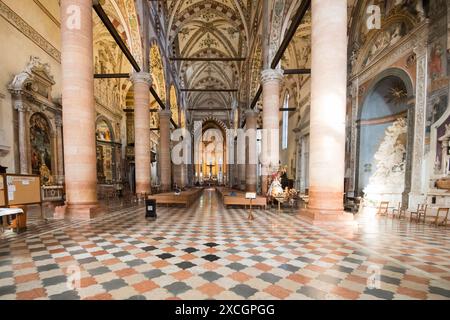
(290, 149)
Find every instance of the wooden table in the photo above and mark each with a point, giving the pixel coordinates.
(4, 212)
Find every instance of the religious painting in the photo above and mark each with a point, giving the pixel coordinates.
(103, 131)
(436, 64)
(436, 110)
(40, 141)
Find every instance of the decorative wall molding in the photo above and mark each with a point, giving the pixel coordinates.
(21, 25)
(47, 13)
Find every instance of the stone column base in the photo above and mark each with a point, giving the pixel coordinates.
(264, 186)
(250, 188)
(78, 211)
(327, 217)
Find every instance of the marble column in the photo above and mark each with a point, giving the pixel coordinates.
(417, 156)
(141, 85)
(236, 180)
(230, 158)
(23, 140)
(59, 149)
(251, 159)
(183, 175)
(164, 147)
(270, 152)
(328, 113)
(78, 110)
(241, 174)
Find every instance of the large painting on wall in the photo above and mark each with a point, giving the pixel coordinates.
(40, 141)
(105, 146)
(103, 131)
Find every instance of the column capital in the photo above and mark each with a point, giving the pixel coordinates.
(20, 106)
(271, 75)
(166, 113)
(249, 113)
(141, 77)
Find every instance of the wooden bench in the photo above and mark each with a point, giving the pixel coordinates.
(239, 198)
(186, 198)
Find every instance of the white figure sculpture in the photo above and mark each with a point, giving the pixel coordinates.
(389, 175)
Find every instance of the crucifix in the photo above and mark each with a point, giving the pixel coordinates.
(210, 170)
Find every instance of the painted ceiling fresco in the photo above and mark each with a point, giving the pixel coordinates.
(210, 29)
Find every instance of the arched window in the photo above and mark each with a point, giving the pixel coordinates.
(285, 123)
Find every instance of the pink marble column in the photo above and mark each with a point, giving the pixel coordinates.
(270, 151)
(328, 108)
(59, 149)
(78, 110)
(241, 173)
(251, 159)
(164, 150)
(141, 85)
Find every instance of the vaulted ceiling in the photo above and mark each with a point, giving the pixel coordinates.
(210, 29)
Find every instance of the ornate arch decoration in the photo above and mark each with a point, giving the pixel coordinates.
(211, 121)
(219, 100)
(180, 18)
(183, 118)
(390, 72)
(379, 41)
(174, 104)
(128, 9)
(210, 30)
(185, 66)
(215, 68)
(256, 66)
(157, 71)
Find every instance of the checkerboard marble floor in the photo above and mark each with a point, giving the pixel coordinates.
(207, 252)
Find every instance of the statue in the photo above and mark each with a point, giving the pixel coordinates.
(46, 176)
(389, 175)
(275, 189)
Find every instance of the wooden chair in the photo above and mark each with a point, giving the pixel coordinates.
(399, 211)
(383, 208)
(443, 222)
(421, 212)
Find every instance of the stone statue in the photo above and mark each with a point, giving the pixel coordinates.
(389, 175)
(275, 189)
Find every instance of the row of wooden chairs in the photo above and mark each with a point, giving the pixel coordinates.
(419, 215)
